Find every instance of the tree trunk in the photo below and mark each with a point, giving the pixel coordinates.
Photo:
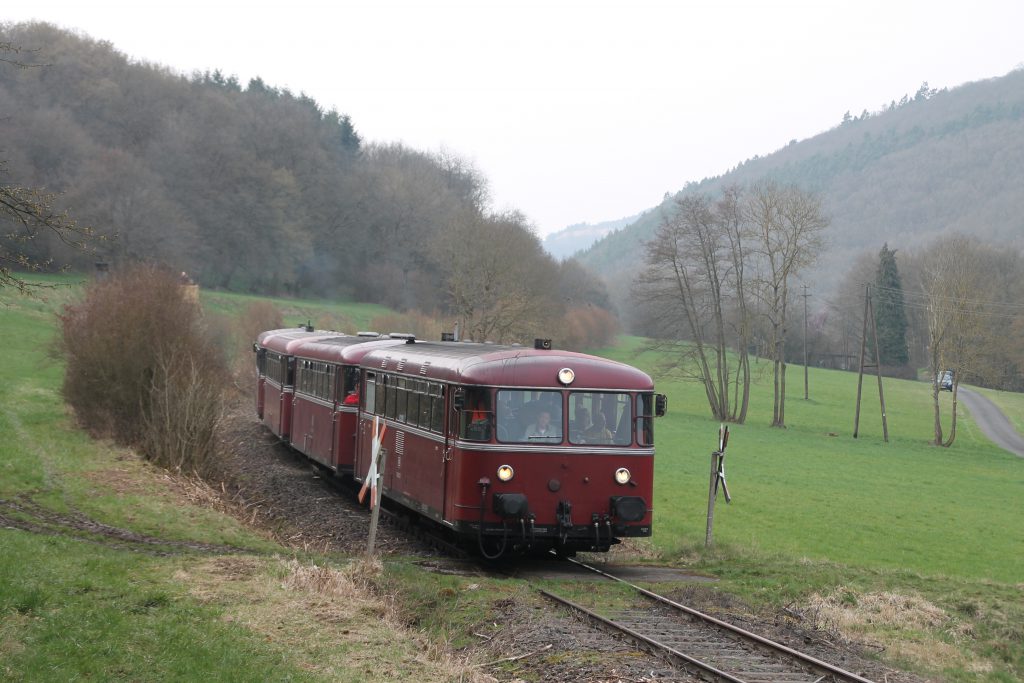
(952, 427)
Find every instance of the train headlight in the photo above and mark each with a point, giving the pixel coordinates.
(566, 376)
(622, 476)
(505, 473)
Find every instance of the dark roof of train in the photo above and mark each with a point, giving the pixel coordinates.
(498, 365)
(346, 349)
(281, 340)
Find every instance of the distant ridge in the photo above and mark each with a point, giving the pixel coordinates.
(930, 164)
(568, 241)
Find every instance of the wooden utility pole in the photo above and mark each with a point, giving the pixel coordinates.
(869, 313)
(806, 393)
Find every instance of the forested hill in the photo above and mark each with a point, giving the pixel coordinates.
(254, 188)
(933, 163)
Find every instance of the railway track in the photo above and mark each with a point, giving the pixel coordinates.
(708, 647)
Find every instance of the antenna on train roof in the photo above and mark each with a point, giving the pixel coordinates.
(308, 326)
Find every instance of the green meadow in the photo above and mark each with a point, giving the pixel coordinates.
(812, 490)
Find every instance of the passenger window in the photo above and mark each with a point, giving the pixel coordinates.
(477, 417)
(600, 419)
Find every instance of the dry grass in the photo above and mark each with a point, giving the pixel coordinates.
(329, 619)
(907, 626)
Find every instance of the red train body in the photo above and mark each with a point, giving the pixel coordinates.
(275, 380)
(514, 448)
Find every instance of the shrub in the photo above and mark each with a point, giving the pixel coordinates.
(587, 327)
(142, 369)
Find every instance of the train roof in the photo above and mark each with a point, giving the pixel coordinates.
(497, 365)
(282, 340)
(343, 349)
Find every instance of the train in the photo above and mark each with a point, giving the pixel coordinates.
(507, 448)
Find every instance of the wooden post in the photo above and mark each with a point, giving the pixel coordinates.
(878, 369)
(863, 350)
(712, 494)
(377, 488)
(806, 392)
(869, 313)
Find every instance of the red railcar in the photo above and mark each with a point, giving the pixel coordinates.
(275, 374)
(326, 396)
(514, 447)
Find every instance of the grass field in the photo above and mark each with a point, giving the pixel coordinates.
(811, 490)
(819, 521)
(101, 577)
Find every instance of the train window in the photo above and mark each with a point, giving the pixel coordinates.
(391, 409)
(370, 404)
(424, 419)
(645, 419)
(382, 386)
(412, 407)
(273, 367)
(476, 417)
(600, 418)
(437, 410)
(527, 416)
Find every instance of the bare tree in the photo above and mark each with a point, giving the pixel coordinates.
(498, 279)
(965, 319)
(737, 233)
(788, 224)
(695, 270)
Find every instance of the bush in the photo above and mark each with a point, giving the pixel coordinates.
(587, 327)
(142, 369)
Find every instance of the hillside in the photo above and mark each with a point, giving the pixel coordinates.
(249, 187)
(940, 162)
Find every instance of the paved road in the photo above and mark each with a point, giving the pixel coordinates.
(992, 421)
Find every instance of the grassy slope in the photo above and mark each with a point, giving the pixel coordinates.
(347, 317)
(77, 605)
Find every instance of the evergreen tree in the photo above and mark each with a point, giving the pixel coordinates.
(890, 315)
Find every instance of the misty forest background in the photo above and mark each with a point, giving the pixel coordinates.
(253, 188)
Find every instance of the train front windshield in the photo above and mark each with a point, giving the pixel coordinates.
(536, 416)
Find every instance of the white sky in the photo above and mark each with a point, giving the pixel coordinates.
(575, 111)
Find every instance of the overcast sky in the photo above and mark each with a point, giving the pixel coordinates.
(574, 111)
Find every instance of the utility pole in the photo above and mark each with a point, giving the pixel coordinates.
(869, 312)
(806, 393)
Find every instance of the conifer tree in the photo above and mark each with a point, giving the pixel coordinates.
(890, 315)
